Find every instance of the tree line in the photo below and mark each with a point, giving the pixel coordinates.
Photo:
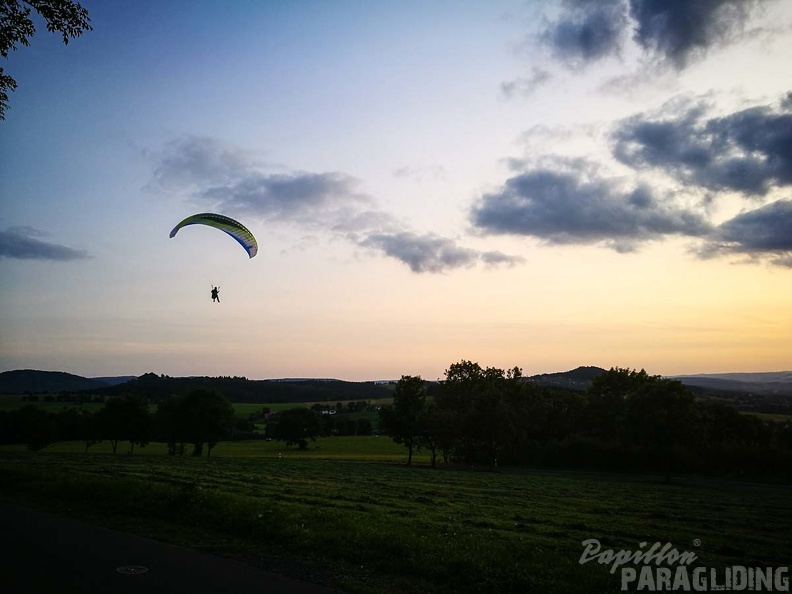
(299, 426)
(200, 418)
(627, 420)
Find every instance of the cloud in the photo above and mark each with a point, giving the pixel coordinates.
(23, 243)
(192, 161)
(420, 173)
(525, 87)
(673, 33)
(213, 175)
(678, 32)
(497, 258)
(432, 253)
(761, 234)
(643, 81)
(289, 196)
(588, 31)
(749, 151)
(568, 207)
(568, 201)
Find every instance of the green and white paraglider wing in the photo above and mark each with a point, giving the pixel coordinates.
(234, 228)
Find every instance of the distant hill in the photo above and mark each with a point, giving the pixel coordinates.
(749, 392)
(771, 383)
(115, 380)
(43, 382)
(156, 387)
(757, 392)
(778, 382)
(761, 377)
(577, 380)
(239, 389)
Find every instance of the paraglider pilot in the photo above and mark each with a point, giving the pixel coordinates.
(216, 294)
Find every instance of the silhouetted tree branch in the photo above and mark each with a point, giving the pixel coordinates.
(62, 16)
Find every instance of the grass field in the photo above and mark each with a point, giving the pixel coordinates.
(777, 417)
(357, 518)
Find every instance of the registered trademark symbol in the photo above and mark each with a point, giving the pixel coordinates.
(696, 542)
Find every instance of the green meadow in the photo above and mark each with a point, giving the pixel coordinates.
(775, 417)
(347, 512)
(370, 448)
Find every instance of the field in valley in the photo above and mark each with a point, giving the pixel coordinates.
(348, 512)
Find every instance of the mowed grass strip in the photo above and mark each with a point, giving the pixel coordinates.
(382, 527)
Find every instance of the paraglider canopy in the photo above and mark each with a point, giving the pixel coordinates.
(234, 228)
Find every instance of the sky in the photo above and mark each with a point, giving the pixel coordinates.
(516, 183)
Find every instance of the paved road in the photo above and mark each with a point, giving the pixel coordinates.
(42, 553)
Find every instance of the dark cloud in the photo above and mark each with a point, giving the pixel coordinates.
(764, 234)
(302, 195)
(680, 30)
(749, 151)
(431, 253)
(569, 208)
(672, 32)
(525, 87)
(23, 243)
(193, 161)
(497, 258)
(587, 31)
(221, 177)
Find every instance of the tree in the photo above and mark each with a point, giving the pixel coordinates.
(457, 396)
(434, 429)
(295, 426)
(647, 414)
(171, 427)
(138, 422)
(493, 408)
(364, 427)
(125, 419)
(89, 428)
(69, 424)
(402, 421)
(208, 417)
(607, 396)
(474, 402)
(62, 16)
(201, 417)
(37, 427)
(110, 421)
(660, 416)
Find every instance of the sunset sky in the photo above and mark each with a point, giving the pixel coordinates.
(517, 183)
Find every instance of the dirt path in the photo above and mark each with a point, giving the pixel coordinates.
(43, 553)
